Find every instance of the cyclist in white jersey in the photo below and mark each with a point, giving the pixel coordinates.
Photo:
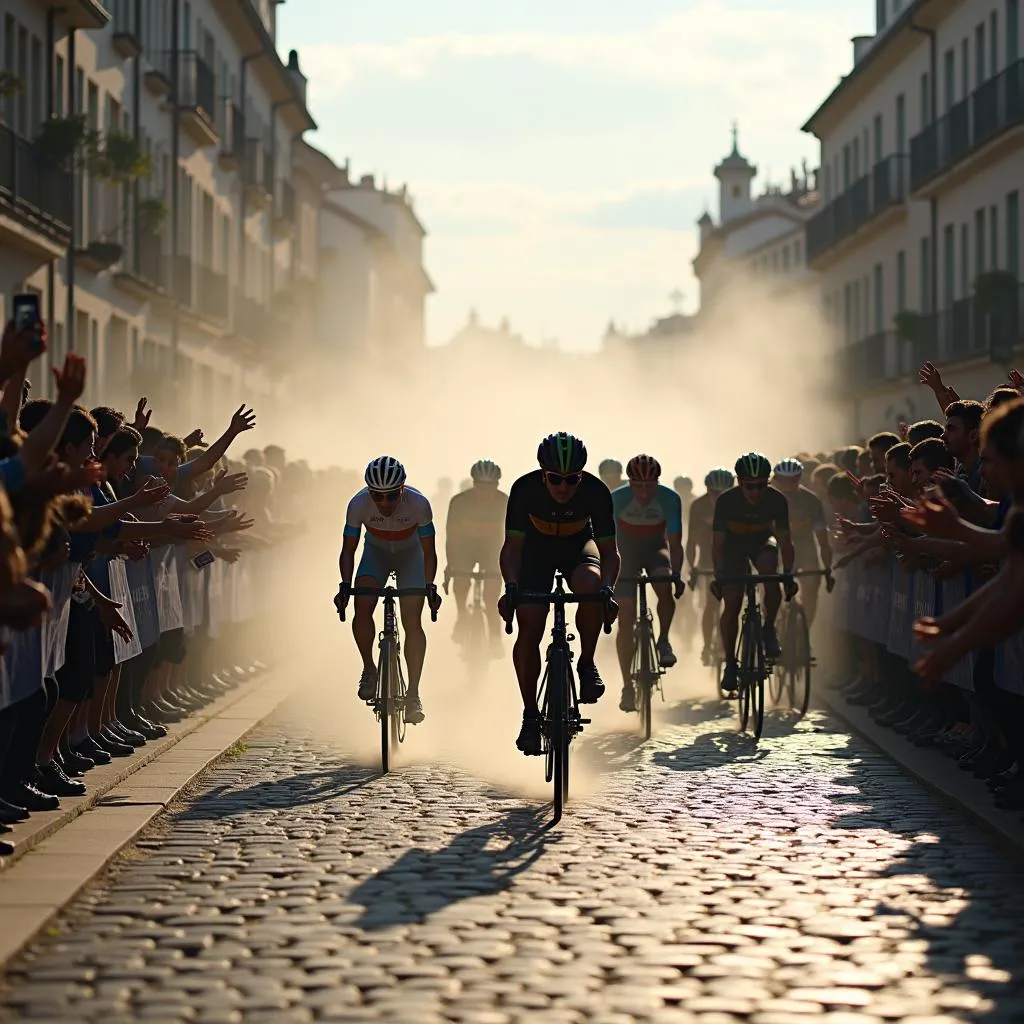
(400, 540)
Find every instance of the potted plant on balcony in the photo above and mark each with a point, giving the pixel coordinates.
(67, 142)
(152, 215)
(119, 159)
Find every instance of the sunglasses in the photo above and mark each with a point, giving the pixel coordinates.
(757, 485)
(386, 495)
(564, 479)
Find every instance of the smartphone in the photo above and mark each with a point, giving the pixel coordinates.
(27, 313)
(203, 559)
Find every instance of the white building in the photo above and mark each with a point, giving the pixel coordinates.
(922, 167)
(194, 283)
(760, 236)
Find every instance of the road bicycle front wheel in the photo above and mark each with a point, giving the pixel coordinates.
(648, 676)
(384, 702)
(778, 678)
(748, 645)
(556, 718)
(398, 694)
(798, 643)
(757, 683)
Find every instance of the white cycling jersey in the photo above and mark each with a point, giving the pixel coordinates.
(411, 520)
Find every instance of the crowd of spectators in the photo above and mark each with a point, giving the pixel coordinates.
(930, 606)
(135, 574)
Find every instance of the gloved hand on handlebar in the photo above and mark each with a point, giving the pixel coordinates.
(790, 587)
(830, 581)
(715, 589)
(341, 598)
(507, 601)
(679, 587)
(433, 598)
(611, 606)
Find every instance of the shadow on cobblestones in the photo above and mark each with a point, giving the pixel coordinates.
(711, 750)
(478, 862)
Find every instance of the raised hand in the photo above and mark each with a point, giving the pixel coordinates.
(229, 483)
(142, 416)
(936, 518)
(70, 380)
(153, 491)
(20, 347)
(196, 437)
(931, 378)
(243, 420)
(1016, 379)
(187, 531)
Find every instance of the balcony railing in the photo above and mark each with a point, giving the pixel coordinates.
(884, 187)
(126, 32)
(255, 173)
(32, 188)
(150, 263)
(993, 108)
(197, 96)
(213, 294)
(232, 150)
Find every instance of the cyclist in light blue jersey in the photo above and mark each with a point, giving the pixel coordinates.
(649, 526)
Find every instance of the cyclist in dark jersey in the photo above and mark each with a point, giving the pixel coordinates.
(809, 527)
(699, 533)
(559, 518)
(749, 520)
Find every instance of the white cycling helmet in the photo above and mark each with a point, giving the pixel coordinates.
(789, 468)
(485, 469)
(384, 474)
(719, 480)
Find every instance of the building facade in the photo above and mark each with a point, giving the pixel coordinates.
(756, 240)
(156, 192)
(917, 243)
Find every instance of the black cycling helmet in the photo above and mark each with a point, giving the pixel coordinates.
(753, 466)
(562, 453)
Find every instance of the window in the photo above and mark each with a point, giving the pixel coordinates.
(878, 139)
(993, 237)
(828, 182)
(1012, 31)
(926, 115)
(21, 100)
(58, 87)
(965, 67)
(880, 6)
(35, 87)
(980, 249)
(901, 281)
(9, 63)
(856, 159)
(949, 78)
(901, 123)
(856, 312)
(993, 42)
(879, 293)
(979, 55)
(1013, 233)
(948, 265)
(965, 260)
(925, 283)
(846, 167)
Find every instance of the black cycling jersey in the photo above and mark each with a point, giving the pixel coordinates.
(806, 515)
(700, 523)
(533, 512)
(747, 525)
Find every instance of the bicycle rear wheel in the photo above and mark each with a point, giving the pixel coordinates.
(778, 678)
(757, 682)
(555, 718)
(398, 692)
(384, 702)
(748, 645)
(648, 676)
(798, 642)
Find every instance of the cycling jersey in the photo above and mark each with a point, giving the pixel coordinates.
(532, 512)
(474, 530)
(748, 526)
(661, 516)
(411, 520)
(806, 515)
(700, 524)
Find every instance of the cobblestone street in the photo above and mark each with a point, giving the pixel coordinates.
(702, 880)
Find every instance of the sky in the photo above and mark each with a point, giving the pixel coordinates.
(559, 152)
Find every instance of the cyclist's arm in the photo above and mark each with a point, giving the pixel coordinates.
(427, 542)
(451, 528)
(718, 552)
(510, 560)
(675, 552)
(786, 550)
(347, 561)
(674, 529)
(691, 540)
(610, 561)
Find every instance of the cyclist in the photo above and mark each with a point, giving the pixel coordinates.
(809, 528)
(610, 472)
(399, 539)
(558, 518)
(699, 531)
(473, 536)
(751, 527)
(683, 486)
(649, 524)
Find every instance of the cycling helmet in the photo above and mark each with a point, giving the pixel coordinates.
(486, 470)
(609, 466)
(562, 453)
(789, 468)
(643, 467)
(384, 474)
(719, 480)
(753, 466)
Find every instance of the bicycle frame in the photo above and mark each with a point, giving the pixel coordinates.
(646, 672)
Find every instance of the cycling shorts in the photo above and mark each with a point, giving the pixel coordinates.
(740, 559)
(650, 553)
(406, 564)
(466, 553)
(544, 556)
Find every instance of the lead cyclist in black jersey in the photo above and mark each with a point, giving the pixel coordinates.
(558, 518)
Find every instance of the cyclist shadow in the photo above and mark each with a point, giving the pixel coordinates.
(693, 711)
(302, 790)
(478, 862)
(711, 750)
(608, 752)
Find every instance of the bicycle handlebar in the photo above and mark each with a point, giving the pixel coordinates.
(556, 598)
(398, 592)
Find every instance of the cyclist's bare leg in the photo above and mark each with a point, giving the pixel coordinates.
(624, 645)
(363, 628)
(767, 564)
(492, 592)
(415, 642)
(526, 652)
(666, 609)
(810, 587)
(586, 579)
(708, 619)
(729, 622)
(460, 591)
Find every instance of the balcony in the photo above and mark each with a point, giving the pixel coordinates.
(982, 125)
(144, 272)
(157, 76)
(213, 294)
(197, 98)
(284, 210)
(883, 189)
(252, 319)
(126, 39)
(35, 199)
(257, 193)
(232, 150)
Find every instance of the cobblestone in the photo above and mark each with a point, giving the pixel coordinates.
(706, 882)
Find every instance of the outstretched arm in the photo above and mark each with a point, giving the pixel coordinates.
(243, 420)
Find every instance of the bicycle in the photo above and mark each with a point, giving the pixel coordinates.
(474, 634)
(754, 666)
(716, 656)
(558, 700)
(792, 673)
(645, 672)
(389, 701)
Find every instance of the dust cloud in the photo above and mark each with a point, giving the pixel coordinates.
(757, 374)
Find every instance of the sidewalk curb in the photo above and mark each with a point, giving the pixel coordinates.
(53, 863)
(932, 768)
